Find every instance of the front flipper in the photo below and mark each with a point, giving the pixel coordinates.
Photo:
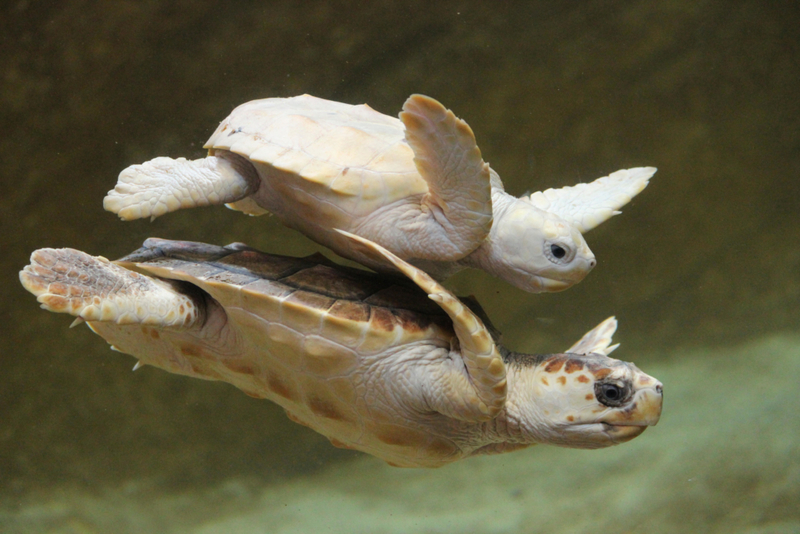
(94, 289)
(486, 372)
(585, 206)
(459, 192)
(597, 340)
(163, 185)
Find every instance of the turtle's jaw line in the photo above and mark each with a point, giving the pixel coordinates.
(551, 285)
(543, 284)
(622, 433)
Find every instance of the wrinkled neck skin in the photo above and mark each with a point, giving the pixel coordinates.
(518, 249)
(521, 423)
(485, 257)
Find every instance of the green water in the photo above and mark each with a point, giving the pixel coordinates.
(702, 269)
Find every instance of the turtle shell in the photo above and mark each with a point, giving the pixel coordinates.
(305, 333)
(352, 156)
(362, 310)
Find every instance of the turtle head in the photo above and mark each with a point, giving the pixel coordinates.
(535, 250)
(584, 401)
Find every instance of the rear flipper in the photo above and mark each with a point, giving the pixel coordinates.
(587, 205)
(163, 185)
(94, 289)
(597, 340)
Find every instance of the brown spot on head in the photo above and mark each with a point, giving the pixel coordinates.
(589, 396)
(573, 365)
(554, 365)
(562, 380)
(583, 378)
(324, 408)
(601, 373)
(279, 387)
(544, 381)
(570, 418)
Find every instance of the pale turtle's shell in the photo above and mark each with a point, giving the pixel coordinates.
(351, 151)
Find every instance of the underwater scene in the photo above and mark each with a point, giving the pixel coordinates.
(407, 414)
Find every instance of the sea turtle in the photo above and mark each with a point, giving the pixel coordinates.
(417, 186)
(364, 359)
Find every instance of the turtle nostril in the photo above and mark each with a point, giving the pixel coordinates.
(592, 264)
(659, 389)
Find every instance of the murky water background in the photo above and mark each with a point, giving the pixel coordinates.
(702, 269)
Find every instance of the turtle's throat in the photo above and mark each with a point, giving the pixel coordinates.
(519, 422)
(485, 256)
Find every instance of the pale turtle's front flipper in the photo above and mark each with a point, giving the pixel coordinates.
(448, 158)
(587, 205)
(597, 340)
(483, 394)
(94, 289)
(163, 185)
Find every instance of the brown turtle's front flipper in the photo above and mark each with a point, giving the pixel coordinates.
(94, 289)
(449, 160)
(484, 364)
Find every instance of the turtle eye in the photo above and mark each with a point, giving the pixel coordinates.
(558, 253)
(612, 394)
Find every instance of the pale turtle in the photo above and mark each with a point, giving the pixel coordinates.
(372, 362)
(418, 186)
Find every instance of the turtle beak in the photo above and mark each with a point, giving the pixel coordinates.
(644, 411)
(648, 400)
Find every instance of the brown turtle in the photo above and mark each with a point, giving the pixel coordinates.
(408, 373)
